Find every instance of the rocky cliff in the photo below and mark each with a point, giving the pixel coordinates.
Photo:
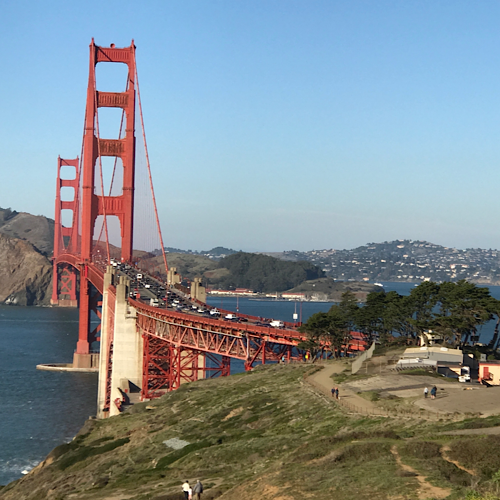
(25, 273)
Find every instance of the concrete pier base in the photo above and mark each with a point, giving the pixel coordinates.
(64, 367)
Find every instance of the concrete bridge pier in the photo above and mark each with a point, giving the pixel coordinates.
(198, 291)
(121, 346)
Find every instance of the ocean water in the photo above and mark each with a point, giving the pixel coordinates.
(38, 409)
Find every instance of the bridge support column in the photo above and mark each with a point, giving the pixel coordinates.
(198, 291)
(106, 351)
(127, 346)
(63, 286)
(81, 357)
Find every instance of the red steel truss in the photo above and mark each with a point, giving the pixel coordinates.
(174, 344)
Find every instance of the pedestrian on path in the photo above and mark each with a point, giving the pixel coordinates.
(426, 391)
(336, 393)
(333, 392)
(185, 489)
(433, 392)
(197, 490)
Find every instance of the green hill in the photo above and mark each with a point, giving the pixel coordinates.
(261, 434)
(262, 273)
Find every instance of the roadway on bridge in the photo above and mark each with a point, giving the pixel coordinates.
(156, 293)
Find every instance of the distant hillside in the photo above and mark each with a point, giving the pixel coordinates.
(188, 265)
(25, 274)
(36, 229)
(404, 260)
(216, 253)
(328, 289)
(262, 273)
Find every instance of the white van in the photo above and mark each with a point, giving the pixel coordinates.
(230, 316)
(277, 323)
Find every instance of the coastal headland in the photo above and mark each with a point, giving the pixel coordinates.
(277, 433)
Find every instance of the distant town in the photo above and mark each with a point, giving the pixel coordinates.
(399, 260)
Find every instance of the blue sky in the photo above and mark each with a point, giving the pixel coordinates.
(274, 125)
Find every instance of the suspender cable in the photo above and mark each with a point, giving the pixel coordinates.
(149, 167)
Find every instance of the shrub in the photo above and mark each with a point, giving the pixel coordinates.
(364, 452)
(421, 449)
(478, 453)
(164, 462)
(85, 452)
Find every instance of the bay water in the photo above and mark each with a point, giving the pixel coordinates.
(40, 410)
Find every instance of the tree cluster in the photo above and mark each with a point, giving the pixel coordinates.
(452, 310)
(262, 273)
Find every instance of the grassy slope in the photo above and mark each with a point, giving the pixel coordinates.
(263, 434)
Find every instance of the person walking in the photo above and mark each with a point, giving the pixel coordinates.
(197, 490)
(433, 392)
(333, 392)
(426, 391)
(185, 489)
(336, 393)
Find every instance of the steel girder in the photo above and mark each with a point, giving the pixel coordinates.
(173, 347)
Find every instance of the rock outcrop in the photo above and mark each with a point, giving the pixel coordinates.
(25, 273)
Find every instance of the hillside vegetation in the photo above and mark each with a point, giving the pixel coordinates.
(261, 434)
(262, 273)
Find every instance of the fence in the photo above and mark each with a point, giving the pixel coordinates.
(358, 362)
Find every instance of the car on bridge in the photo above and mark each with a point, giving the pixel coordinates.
(277, 323)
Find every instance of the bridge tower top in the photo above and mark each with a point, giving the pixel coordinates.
(95, 147)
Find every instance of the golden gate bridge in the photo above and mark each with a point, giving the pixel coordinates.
(151, 345)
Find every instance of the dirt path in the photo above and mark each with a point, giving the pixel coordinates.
(444, 453)
(426, 490)
(322, 381)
